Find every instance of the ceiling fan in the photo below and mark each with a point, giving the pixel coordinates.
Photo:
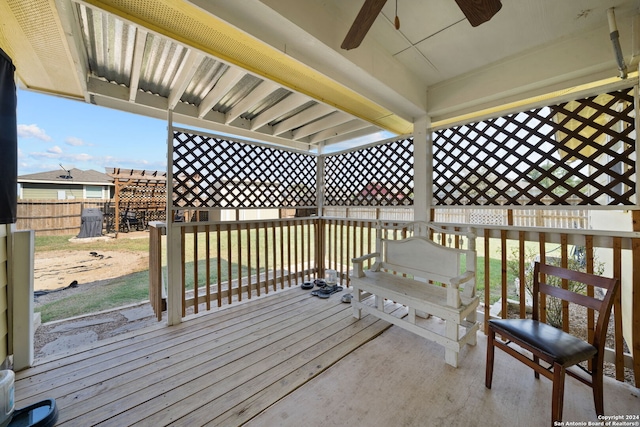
(476, 12)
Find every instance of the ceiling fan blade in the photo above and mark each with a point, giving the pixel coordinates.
(479, 11)
(368, 13)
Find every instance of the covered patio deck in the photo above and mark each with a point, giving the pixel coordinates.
(290, 359)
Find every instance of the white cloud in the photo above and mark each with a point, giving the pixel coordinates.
(76, 142)
(32, 131)
(55, 149)
(59, 155)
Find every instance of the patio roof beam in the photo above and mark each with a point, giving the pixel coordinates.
(264, 89)
(291, 102)
(69, 19)
(187, 70)
(343, 129)
(312, 113)
(369, 130)
(224, 84)
(334, 119)
(136, 66)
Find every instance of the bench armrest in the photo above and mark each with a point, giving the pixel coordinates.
(357, 263)
(453, 295)
(463, 278)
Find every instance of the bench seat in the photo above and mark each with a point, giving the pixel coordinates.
(416, 262)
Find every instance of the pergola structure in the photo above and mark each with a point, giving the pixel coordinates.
(141, 192)
(538, 73)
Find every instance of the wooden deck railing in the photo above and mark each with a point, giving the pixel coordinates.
(224, 262)
(157, 296)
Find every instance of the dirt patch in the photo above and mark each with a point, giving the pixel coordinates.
(88, 270)
(58, 269)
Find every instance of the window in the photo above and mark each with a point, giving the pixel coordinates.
(93, 192)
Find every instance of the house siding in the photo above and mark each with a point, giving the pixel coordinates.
(50, 191)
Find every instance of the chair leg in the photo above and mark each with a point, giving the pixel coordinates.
(597, 385)
(491, 336)
(536, 360)
(557, 398)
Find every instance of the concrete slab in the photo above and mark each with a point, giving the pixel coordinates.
(137, 313)
(69, 342)
(71, 326)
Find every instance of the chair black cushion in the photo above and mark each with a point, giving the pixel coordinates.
(559, 346)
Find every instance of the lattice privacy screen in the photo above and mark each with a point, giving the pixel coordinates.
(214, 172)
(374, 176)
(575, 153)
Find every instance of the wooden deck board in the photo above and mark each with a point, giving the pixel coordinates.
(203, 369)
(108, 357)
(185, 362)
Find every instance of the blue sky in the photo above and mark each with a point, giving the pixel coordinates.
(54, 130)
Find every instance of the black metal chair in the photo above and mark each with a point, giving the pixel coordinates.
(129, 219)
(559, 350)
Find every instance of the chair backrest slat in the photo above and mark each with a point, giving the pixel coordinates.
(570, 296)
(603, 307)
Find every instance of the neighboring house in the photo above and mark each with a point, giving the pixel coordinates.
(63, 185)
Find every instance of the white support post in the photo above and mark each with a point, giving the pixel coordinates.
(423, 169)
(174, 241)
(320, 181)
(22, 244)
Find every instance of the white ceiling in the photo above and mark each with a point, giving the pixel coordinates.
(528, 48)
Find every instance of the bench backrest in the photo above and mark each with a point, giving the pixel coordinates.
(421, 257)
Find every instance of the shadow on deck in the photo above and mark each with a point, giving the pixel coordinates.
(291, 359)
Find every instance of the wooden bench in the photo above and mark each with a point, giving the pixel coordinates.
(426, 277)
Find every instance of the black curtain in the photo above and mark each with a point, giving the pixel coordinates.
(8, 141)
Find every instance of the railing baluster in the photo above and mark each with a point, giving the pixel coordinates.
(275, 255)
(229, 266)
(194, 230)
(258, 259)
(543, 260)
(521, 275)
(335, 245)
(588, 243)
(487, 282)
(207, 232)
(341, 259)
(249, 290)
(503, 266)
(617, 310)
(239, 257)
(295, 253)
(184, 283)
(564, 263)
(281, 254)
(266, 259)
(219, 264)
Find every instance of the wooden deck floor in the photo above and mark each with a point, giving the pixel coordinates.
(291, 359)
(222, 368)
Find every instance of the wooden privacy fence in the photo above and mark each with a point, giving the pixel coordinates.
(549, 218)
(54, 217)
